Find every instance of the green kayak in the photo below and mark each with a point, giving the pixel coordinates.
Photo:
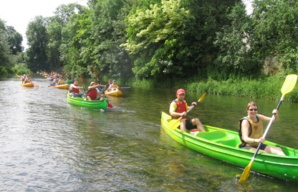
(223, 144)
(95, 104)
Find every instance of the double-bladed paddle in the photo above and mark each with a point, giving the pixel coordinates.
(287, 87)
(175, 123)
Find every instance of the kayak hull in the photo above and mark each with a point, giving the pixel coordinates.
(63, 86)
(95, 104)
(27, 84)
(116, 93)
(223, 144)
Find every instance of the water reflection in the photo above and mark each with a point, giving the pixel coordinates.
(47, 144)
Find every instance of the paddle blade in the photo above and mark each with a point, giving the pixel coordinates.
(246, 172)
(94, 72)
(82, 80)
(202, 98)
(36, 85)
(175, 123)
(63, 74)
(289, 84)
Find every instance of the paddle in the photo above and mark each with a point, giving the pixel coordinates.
(175, 123)
(94, 72)
(287, 87)
(63, 74)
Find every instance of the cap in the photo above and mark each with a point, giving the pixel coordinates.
(180, 91)
(114, 80)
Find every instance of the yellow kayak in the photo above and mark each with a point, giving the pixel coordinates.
(27, 84)
(116, 93)
(63, 86)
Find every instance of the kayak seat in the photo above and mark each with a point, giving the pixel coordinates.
(220, 137)
(229, 142)
(212, 135)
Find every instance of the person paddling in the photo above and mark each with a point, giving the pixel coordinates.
(74, 89)
(93, 91)
(251, 130)
(113, 86)
(179, 107)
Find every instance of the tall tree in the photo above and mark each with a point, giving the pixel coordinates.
(275, 31)
(4, 46)
(55, 26)
(108, 32)
(175, 37)
(15, 40)
(234, 53)
(37, 39)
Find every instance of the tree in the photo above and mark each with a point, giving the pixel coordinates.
(15, 40)
(37, 39)
(56, 25)
(155, 38)
(108, 32)
(4, 46)
(275, 31)
(235, 55)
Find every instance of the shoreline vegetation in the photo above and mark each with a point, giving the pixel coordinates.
(261, 88)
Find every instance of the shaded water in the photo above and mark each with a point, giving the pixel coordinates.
(48, 145)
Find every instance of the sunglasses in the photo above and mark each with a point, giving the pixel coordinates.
(253, 109)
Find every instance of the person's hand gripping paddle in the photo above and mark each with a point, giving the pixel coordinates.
(175, 123)
(287, 87)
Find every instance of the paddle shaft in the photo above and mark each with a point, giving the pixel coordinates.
(187, 111)
(267, 130)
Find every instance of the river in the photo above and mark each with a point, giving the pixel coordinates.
(47, 144)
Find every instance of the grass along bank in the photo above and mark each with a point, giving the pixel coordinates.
(261, 88)
(268, 88)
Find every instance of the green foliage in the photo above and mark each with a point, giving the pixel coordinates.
(21, 68)
(234, 51)
(154, 35)
(108, 32)
(268, 88)
(5, 56)
(36, 35)
(15, 40)
(274, 25)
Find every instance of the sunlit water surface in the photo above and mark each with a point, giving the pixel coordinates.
(47, 144)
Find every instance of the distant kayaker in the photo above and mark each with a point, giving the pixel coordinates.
(69, 80)
(61, 81)
(27, 79)
(74, 89)
(251, 130)
(108, 84)
(179, 107)
(55, 81)
(23, 78)
(113, 86)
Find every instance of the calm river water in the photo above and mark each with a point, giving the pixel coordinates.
(47, 144)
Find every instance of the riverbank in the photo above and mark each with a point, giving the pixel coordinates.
(261, 88)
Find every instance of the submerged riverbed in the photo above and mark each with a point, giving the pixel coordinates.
(50, 145)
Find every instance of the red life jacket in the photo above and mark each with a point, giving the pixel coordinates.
(92, 94)
(75, 90)
(180, 108)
